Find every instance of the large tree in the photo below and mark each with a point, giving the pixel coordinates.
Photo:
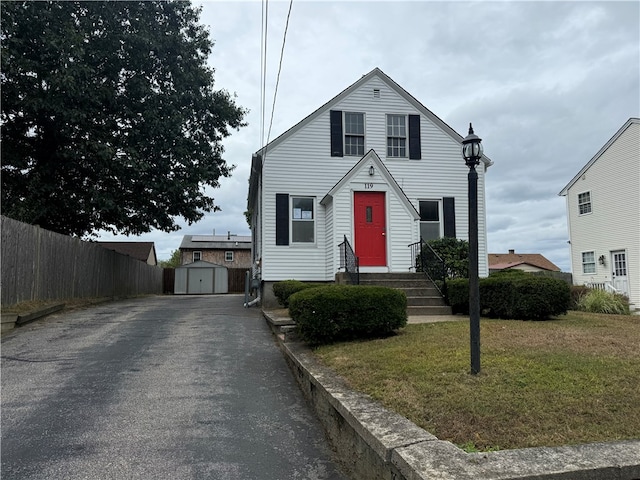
(109, 115)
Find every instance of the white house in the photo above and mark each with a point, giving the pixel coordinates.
(372, 165)
(603, 207)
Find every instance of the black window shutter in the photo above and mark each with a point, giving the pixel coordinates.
(336, 133)
(282, 219)
(414, 137)
(449, 213)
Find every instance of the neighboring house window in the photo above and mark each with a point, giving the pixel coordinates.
(429, 219)
(396, 136)
(588, 262)
(228, 256)
(302, 220)
(403, 136)
(354, 134)
(584, 203)
(197, 256)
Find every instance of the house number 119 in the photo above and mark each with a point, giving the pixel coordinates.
(368, 186)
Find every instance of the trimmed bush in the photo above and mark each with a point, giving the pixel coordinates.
(600, 301)
(283, 290)
(346, 312)
(513, 295)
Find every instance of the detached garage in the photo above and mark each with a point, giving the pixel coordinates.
(201, 277)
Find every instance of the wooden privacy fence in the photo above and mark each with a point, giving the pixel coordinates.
(38, 264)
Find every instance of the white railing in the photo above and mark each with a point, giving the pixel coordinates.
(606, 286)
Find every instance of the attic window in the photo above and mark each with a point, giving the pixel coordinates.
(376, 93)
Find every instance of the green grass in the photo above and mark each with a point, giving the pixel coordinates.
(566, 381)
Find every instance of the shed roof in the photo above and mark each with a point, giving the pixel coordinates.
(500, 261)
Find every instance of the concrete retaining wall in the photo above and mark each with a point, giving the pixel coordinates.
(374, 443)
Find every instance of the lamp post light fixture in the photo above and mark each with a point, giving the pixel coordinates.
(472, 152)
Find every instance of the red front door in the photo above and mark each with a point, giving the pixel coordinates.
(370, 228)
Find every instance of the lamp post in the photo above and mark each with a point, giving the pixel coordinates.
(472, 151)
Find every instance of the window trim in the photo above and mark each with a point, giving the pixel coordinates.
(313, 219)
(345, 134)
(589, 203)
(582, 260)
(405, 137)
(198, 253)
(226, 256)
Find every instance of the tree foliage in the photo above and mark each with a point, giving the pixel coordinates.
(455, 254)
(174, 261)
(109, 116)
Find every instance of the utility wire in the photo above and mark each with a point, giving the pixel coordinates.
(275, 93)
(263, 65)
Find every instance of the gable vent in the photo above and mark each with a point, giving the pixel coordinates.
(376, 93)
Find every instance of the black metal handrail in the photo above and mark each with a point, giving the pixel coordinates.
(349, 261)
(427, 261)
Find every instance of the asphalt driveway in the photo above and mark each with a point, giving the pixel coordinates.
(167, 387)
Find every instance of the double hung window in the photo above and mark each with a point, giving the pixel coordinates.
(396, 135)
(588, 262)
(429, 219)
(584, 203)
(354, 134)
(302, 220)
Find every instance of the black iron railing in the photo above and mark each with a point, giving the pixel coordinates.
(427, 261)
(349, 261)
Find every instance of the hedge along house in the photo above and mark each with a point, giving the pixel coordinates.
(373, 166)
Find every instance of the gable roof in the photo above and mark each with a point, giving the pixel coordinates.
(259, 156)
(499, 261)
(137, 250)
(216, 242)
(606, 146)
(372, 157)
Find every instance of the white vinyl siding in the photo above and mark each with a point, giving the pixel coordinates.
(614, 224)
(302, 166)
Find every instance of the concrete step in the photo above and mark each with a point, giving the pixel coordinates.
(430, 301)
(397, 283)
(429, 310)
(392, 276)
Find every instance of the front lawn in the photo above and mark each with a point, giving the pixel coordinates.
(566, 381)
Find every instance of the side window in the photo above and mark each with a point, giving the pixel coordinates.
(588, 262)
(228, 256)
(429, 219)
(584, 203)
(197, 256)
(302, 220)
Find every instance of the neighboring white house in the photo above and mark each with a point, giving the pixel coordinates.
(372, 165)
(603, 205)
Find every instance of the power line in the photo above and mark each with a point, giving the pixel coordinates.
(263, 65)
(275, 93)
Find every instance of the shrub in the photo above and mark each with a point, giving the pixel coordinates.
(346, 312)
(455, 254)
(513, 295)
(577, 292)
(600, 301)
(283, 290)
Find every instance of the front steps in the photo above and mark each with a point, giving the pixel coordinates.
(423, 297)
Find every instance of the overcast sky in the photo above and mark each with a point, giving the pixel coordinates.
(546, 85)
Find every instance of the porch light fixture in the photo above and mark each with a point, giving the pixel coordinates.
(602, 260)
(372, 170)
(472, 152)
